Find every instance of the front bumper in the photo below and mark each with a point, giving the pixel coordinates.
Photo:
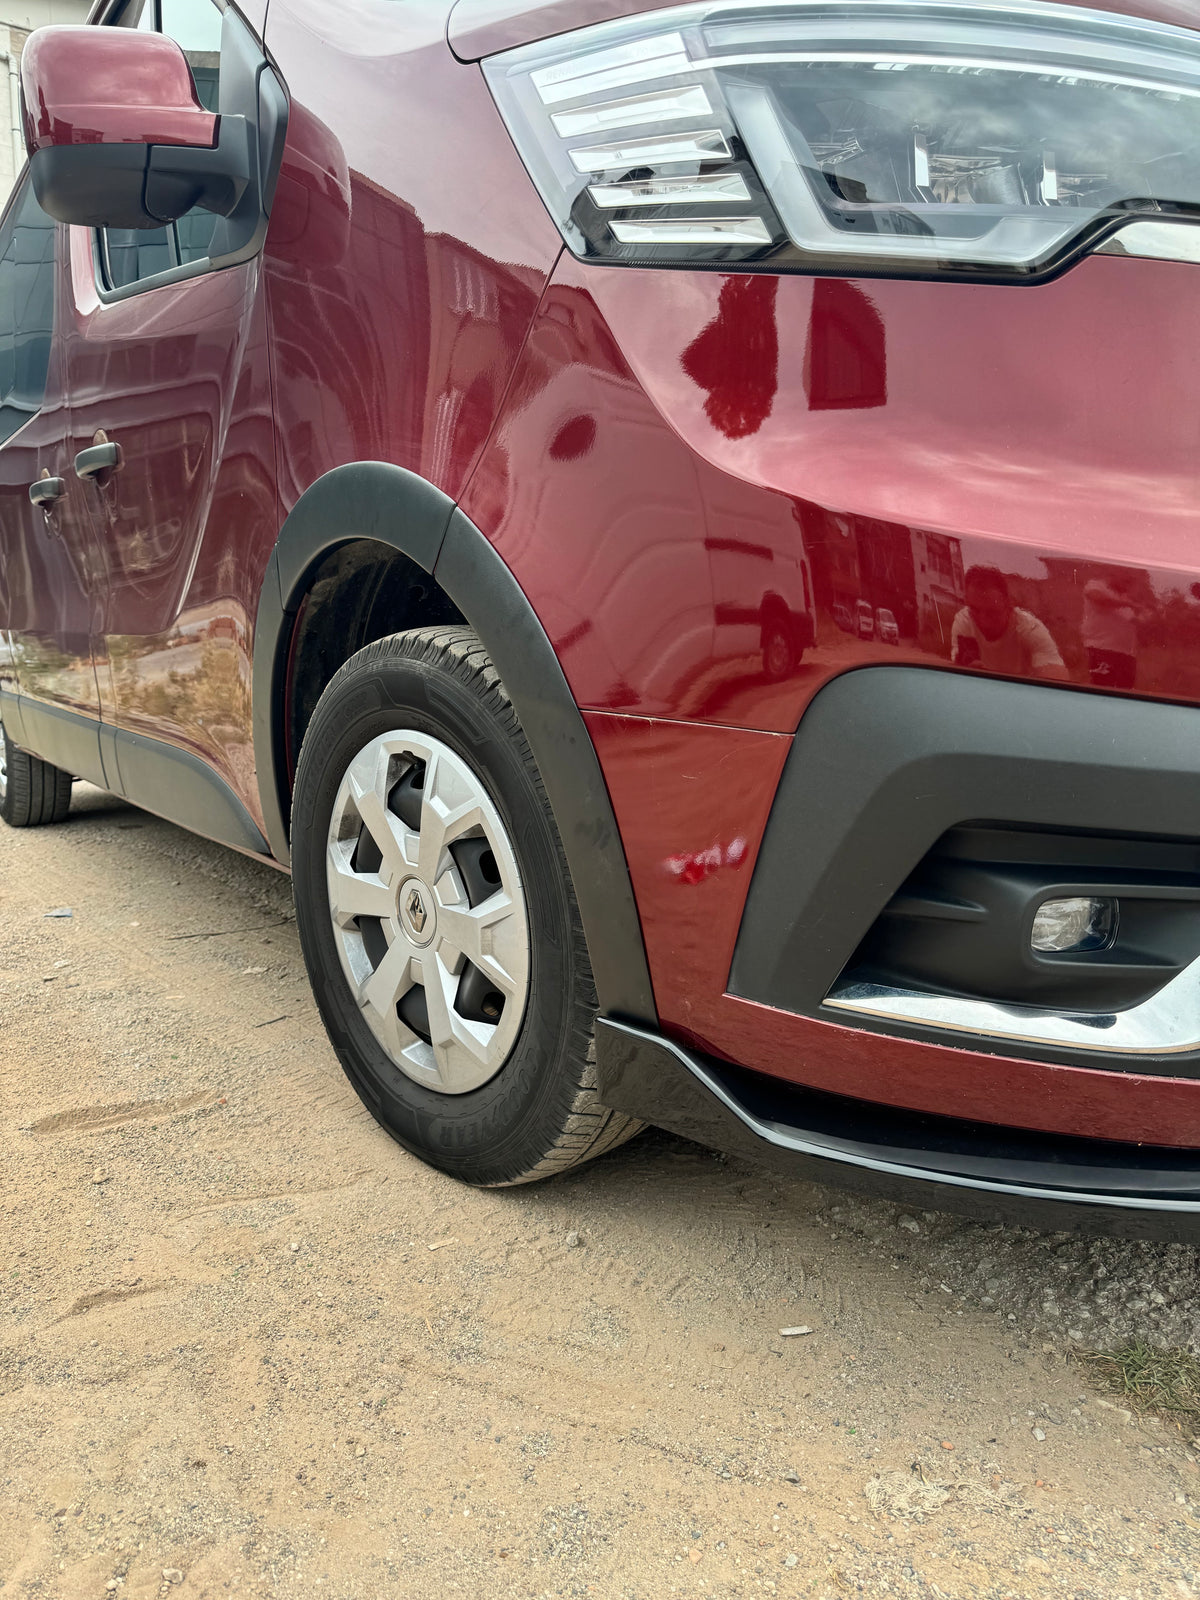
(886, 765)
(996, 1174)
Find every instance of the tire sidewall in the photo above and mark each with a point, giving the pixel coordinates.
(7, 811)
(493, 1133)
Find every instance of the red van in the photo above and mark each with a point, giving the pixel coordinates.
(442, 449)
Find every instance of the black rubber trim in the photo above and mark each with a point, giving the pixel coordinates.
(998, 1174)
(156, 776)
(375, 500)
(183, 789)
(886, 759)
(13, 717)
(363, 500)
(487, 594)
(67, 739)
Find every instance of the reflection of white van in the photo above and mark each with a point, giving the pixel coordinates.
(866, 619)
(886, 626)
(784, 634)
(766, 606)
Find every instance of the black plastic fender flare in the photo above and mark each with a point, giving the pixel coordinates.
(377, 501)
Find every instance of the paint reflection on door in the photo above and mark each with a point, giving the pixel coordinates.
(177, 377)
(49, 567)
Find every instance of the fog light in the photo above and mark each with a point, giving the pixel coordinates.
(1076, 924)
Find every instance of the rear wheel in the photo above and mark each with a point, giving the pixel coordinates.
(32, 792)
(437, 917)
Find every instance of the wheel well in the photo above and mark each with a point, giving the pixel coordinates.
(360, 592)
(773, 610)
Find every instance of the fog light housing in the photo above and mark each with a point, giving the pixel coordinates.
(1072, 925)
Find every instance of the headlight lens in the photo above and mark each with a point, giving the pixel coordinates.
(868, 136)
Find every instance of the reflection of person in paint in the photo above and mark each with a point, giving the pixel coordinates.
(1111, 613)
(992, 633)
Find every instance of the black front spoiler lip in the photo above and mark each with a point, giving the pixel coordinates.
(1134, 1191)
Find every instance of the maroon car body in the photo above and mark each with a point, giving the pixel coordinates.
(409, 350)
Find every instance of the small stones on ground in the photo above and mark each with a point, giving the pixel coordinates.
(944, 1256)
(1039, 1434)
(904, 1494)
(99, 1176)
(440, 1244)
(60, 911)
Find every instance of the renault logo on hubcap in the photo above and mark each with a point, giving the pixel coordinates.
(415, 906)
(417, 911)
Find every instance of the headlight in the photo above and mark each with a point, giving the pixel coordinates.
(953, 139)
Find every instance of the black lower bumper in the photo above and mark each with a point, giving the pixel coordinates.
(998, 1174)
(923, 817)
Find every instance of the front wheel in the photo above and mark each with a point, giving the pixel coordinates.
(437, 917)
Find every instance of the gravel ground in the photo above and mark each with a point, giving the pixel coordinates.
(249, 1346)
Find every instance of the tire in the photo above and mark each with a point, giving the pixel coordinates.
(781, 654)
(32, 792)
(485, 1069)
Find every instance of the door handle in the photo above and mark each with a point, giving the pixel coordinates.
(43, 492)
(97, 458)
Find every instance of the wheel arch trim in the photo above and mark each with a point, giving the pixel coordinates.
(378, 501)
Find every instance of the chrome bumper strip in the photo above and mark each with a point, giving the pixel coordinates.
(1166, 1024)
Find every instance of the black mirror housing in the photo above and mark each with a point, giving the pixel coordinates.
(142, 186)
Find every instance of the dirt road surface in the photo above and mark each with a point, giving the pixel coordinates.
(249, 1346)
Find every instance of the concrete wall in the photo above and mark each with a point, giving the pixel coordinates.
(30, 14)
(18, 18)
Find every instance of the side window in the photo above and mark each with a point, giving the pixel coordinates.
(26, 309)
(132, 254)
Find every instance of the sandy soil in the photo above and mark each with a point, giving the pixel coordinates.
(247, 1345)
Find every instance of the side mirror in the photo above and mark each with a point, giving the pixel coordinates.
(117, 137)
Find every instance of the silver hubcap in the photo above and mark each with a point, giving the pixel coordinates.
(428, 911)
